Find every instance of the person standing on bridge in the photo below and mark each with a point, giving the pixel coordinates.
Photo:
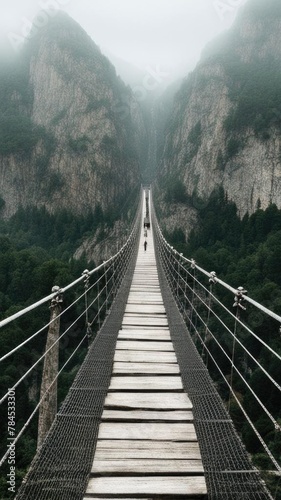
(145, 245)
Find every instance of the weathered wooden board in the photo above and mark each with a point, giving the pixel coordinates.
(145, 314)
(146, 383)
(144, 335)
(142, 299)
(180, 415)
(145, 297)
(146, 330)
(145, 301)
(137, 449)
(145, 308)
(111, 498)
(144, 320)
(143, 327)
(147, 466)
(145, 356)
(146, 282)
(146, 276)
(147, 430)
(153, 368)
(145, 288)
(142, 281)
(154, 485)
(142, 345)
(154, 291)
(154, 401)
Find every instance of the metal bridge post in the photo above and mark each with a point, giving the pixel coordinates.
(48, 407)
(238, 304)
(212, 282)
(88, 325)
(193, 267)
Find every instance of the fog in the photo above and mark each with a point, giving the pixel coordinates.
(162, 36)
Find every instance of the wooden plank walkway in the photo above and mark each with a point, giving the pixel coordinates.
(147, 446)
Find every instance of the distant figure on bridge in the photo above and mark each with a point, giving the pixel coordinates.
(145, 245)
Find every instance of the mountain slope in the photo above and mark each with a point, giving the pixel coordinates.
(225, 128)
(73, 129)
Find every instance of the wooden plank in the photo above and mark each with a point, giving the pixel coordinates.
(146, 383)
(147, 466)
(145, 356)
(147, 430)
(145, 288)
(145, 298)
(141, 314)
(142, 298)
(142, 345)
(145, 308)
(110, 449)
(147, 320)
(161, 368)
(146, 285)
(157, 330)
(143, 275)
(151, 415)
(154, 401)
(110, 498)
(146, 282)
(144, 301)
(146, 277)
(154, 485)
(143, 327)
(144, 335)
(143, 320)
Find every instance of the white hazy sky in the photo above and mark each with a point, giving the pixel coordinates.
(166, 34)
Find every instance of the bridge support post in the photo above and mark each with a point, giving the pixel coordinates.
(48, 393)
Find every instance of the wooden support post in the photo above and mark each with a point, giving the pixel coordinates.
(48, 407)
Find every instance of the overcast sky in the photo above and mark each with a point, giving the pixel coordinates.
(166, 34)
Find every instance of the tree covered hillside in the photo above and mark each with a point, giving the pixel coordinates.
(36, 251)
(243, 252)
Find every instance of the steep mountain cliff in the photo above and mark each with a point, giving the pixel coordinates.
(70, 130)
(225, 128)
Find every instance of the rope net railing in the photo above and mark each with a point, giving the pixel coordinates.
(221, 326)
(85, 310)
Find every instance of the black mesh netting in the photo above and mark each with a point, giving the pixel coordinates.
(228, 470)
(62, 466)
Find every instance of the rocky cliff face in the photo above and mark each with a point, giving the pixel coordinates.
(225, 127)
(83, 127)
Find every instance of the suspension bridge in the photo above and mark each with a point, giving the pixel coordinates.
(143, 417)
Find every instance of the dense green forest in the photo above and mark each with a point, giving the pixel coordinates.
(243, 252)
(36, 250)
